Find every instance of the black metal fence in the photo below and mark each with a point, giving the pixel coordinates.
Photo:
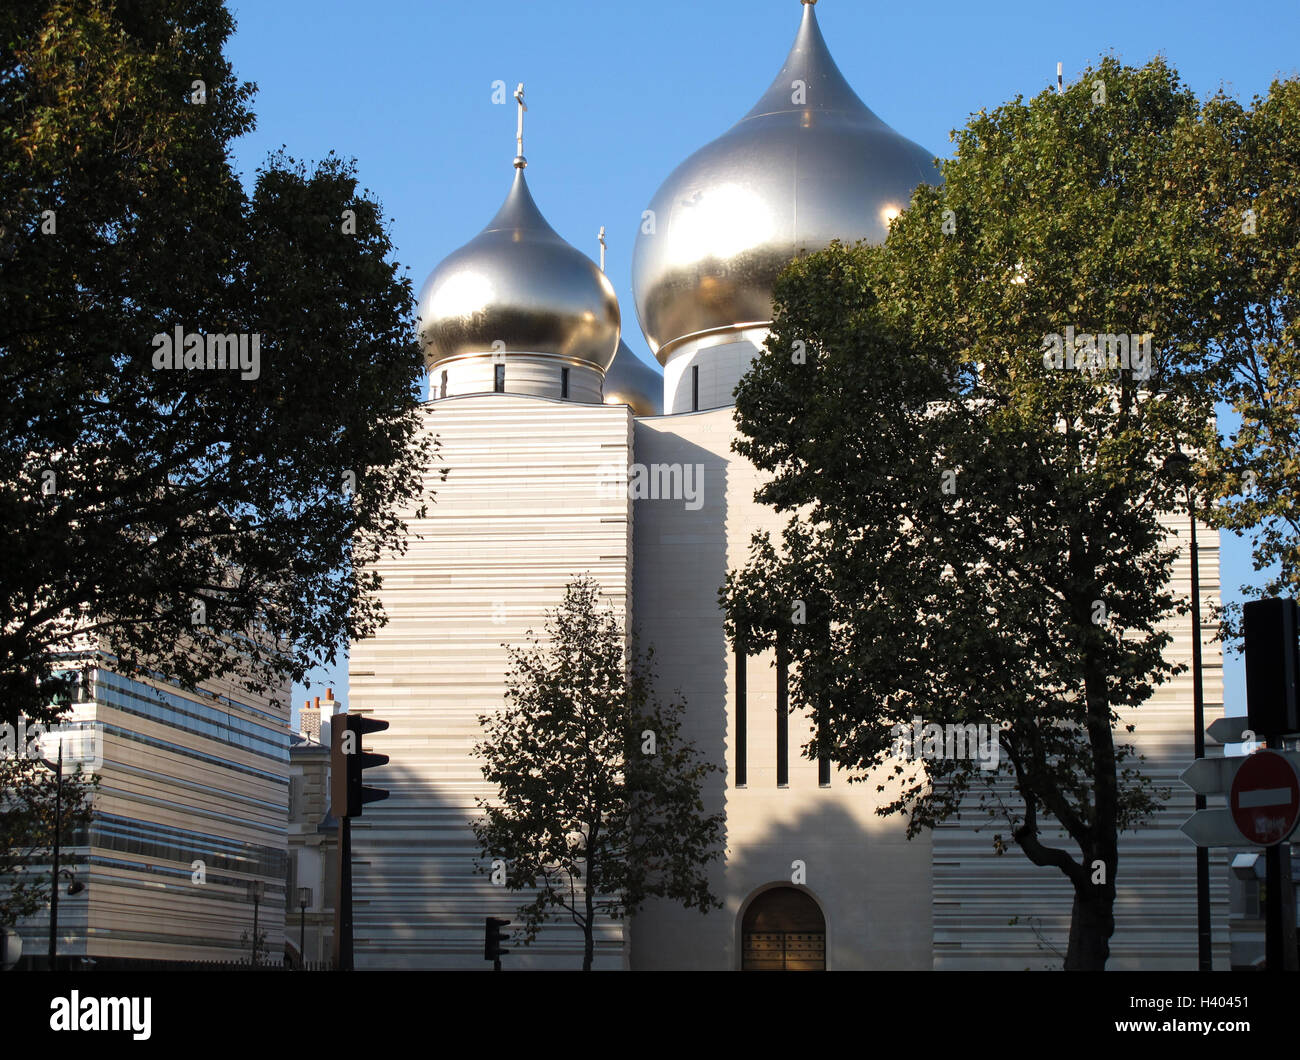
(127, 964)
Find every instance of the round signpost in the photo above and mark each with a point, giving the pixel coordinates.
(1265, 798)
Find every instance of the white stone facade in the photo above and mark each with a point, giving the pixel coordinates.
(521, 514)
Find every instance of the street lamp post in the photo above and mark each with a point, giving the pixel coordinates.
(304, 900)
(54, 876)
(1204, 954)
(256, 888)
(56, 873)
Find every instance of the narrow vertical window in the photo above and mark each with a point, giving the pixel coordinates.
(782, 711)
(564, 382)
(823, 757)
(443, 391)
(742, 720)
(499, 378)
(695, 388)
(823, 764)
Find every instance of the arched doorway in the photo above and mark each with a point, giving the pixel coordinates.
(783, 930)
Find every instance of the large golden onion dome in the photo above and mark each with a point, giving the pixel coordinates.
(810, 163)
(630, 381)
(517, 287)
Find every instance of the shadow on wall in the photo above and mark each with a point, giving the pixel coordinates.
(679, 564)
(870, 883)
(420, 904)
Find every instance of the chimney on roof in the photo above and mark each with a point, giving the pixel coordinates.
(309, 720)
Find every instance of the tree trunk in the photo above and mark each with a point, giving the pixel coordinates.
(1092, 922)
(588, 932)
(588, 925)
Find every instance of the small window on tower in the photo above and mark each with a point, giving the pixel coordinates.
(782, 711)
(742, 715)
(695, 388)
(564, 382)
(499, 380)
(443, 391)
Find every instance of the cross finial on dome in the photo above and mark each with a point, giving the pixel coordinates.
(601, 237)
(520, 160)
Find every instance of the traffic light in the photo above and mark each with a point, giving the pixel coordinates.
(1272, 665)
(492, 950)
(347, 760)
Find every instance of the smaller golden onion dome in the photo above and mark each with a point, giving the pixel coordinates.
(630, 381)
(517, 287)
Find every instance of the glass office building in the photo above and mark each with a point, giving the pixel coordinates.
(189, 832)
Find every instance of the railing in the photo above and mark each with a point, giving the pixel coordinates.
(127, 964)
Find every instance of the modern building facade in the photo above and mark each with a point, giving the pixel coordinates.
(539, 407)
(189, 820)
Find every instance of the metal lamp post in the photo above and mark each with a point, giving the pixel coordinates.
(304, 900)
(256, 888)
(75, 886)
(54, 876)
(1204, 955)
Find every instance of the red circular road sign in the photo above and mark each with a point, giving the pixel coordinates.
(1265, 798)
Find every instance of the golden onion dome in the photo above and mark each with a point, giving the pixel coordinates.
(810, 163)
(630, 381)
(518, 287)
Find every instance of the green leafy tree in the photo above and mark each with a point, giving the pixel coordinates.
(599, 805)
(1247, 186)
(172, 513)
(975, 533)
(28, 791)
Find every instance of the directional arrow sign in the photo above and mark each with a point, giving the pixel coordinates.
(1213, 776)
(1213, 828)
(1229, 730)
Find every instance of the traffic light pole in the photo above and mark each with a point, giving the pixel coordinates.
(1279, 903)
(343, 911)
(1273, 938)
(1272, 651)
(348, 795)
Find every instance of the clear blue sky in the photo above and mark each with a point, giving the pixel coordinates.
(619, 93)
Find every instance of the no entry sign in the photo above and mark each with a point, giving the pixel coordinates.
(1265, 798)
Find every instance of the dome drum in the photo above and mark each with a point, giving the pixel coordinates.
(532, 374)
(702, 372)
